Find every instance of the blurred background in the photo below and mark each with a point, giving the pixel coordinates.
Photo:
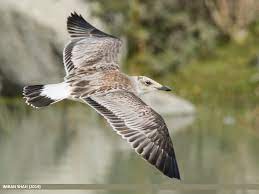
(206, 50)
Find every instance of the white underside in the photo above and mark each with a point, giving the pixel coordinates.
(56, 91)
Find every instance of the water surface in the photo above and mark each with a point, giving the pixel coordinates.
(70, 143)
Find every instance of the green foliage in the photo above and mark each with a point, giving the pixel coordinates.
(223, 79)
(161, 35)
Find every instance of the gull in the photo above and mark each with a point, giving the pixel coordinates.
(93, 77)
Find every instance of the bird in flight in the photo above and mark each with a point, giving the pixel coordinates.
(93, 77)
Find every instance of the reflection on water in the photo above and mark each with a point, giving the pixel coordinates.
(71, 144)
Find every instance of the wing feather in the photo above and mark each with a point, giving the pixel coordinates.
(141, 126)
(89, 47)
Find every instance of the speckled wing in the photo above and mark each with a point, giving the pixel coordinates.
(141, 126)
(89, 47)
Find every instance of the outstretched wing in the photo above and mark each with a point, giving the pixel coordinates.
(141, 126)
(89, 47)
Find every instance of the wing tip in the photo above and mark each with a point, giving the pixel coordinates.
(160, 159)
(74, 16)
(174, 170)
(167, 164)
(78, 27)
(170, 167)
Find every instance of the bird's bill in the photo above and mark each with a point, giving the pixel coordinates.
(164, 88)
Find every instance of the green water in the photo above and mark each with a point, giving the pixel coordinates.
(69, 143)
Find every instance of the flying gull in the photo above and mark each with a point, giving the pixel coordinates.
(93, 77)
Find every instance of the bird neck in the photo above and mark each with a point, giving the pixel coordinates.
(135, 84)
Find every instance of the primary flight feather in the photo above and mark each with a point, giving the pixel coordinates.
(93, 77)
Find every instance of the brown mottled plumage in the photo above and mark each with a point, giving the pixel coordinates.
(93, 77)
(99, 83)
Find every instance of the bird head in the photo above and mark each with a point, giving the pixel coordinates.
(146, 85)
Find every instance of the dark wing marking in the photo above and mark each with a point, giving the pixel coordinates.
(78, 27)
(141, 126)
(89, 47)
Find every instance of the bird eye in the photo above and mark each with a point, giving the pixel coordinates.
(148, 83)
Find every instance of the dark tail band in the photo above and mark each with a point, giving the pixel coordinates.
(34, 97)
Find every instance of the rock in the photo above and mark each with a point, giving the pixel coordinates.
(33, 34)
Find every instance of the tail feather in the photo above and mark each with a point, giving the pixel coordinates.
(43, 95)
